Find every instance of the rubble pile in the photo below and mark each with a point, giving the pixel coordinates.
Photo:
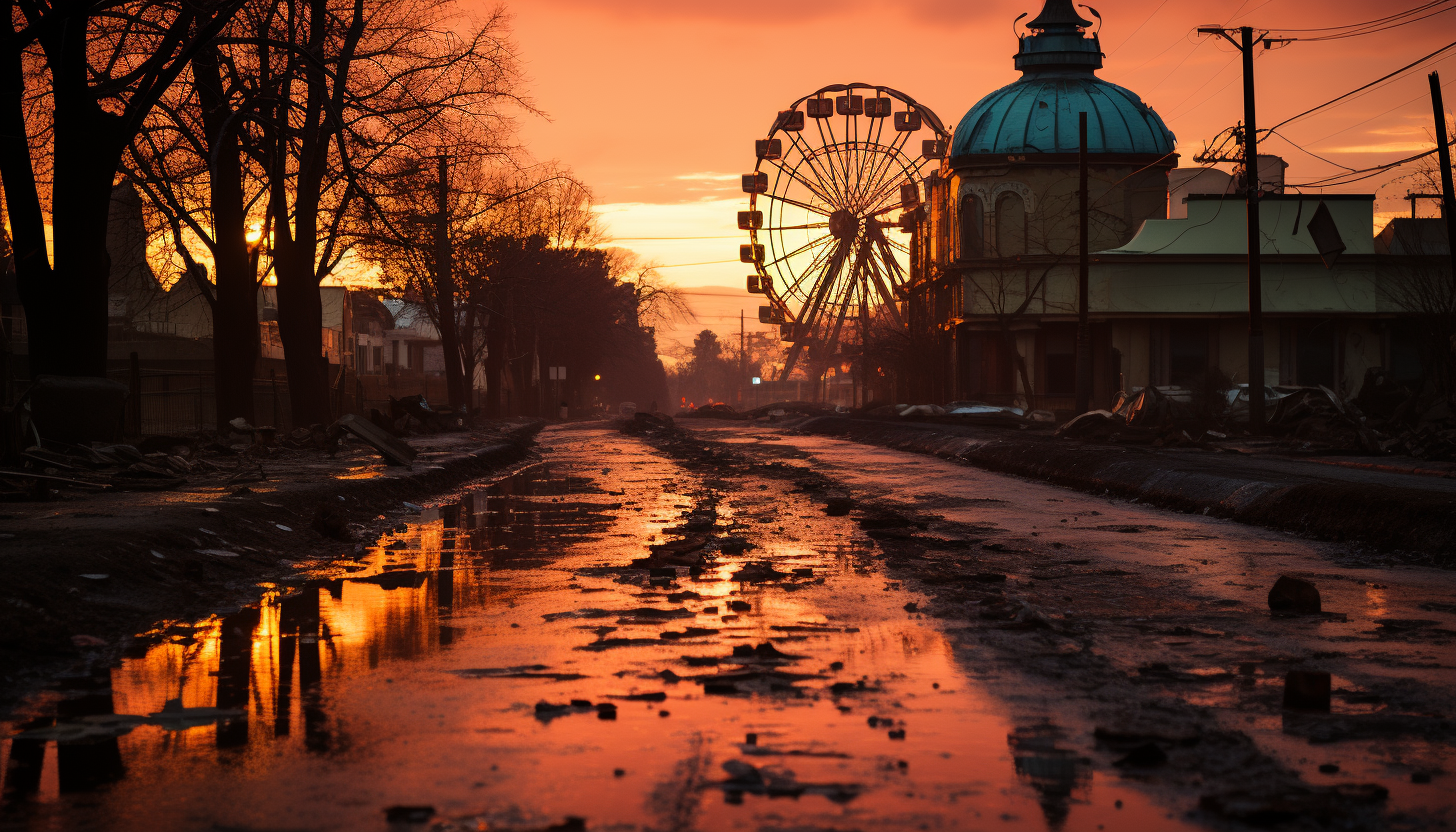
(1384, 418)
(775, 410)
(969, 413)
(1404, 421)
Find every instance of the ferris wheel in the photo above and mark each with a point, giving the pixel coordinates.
(835, 165)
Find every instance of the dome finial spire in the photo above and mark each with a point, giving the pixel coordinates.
(1058, 14)
(1057, 41)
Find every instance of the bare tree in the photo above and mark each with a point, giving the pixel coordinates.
(191, 160)
(76, 81)
(438, 232)
(355, 86)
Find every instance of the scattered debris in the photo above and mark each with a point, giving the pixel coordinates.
(394, 450)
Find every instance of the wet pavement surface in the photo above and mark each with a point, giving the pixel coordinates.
(676, 638)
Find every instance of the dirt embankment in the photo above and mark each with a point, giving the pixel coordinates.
(1276, 493)
(80, 575)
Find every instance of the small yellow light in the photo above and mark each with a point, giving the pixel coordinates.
(597, 377)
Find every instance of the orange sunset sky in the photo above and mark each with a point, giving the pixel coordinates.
(655, 103)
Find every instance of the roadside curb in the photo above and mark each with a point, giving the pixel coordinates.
(161, 570)
(1391, 517)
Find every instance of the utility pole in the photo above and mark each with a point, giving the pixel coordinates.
(1443, 155)
(1256, 281)
(1084, 260)
(742, 356)
(1245, 45)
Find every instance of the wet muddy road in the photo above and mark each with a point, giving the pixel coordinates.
(688, 632)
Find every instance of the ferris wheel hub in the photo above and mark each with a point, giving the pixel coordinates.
(843, 225)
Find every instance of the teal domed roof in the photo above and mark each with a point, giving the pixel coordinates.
(1038, 113)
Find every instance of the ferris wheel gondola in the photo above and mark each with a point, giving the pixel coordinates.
(833, 169)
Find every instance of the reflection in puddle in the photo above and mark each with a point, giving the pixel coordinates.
(494, 664)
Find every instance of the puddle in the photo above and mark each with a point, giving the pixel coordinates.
(491, 665)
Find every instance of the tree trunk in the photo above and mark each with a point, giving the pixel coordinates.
(300, 326)
(296, 248)
(235, 314)
(497, 343)
(449, 322)
(66, 315)
(22, 201)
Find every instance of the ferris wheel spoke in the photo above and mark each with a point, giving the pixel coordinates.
(861, 160)
(800, 250)
(826, 283)
(890, 179)
(811, 185)
(843, 163)
(893, 271)
(896, 170)
(811, 158)
(827, 159)
(866, 158)
(804, 227)
(797, 204)
(846, 295)
(886, 161)
(795, 283)
(887, 297)
(815, 180)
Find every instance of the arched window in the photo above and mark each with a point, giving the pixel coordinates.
(1010, 225)
(972, 241)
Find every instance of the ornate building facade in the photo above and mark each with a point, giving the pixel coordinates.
(993, 293)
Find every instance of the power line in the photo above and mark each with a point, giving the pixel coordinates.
(717, 237)
(1302, 149)
(1211, 77)
(1377, 115)
(1177, 66)
(1376, 26)
(1419, 8)
(706, 263)
(1165, 51)
(1366, 173)
(1377, 81)
(1145, 22)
